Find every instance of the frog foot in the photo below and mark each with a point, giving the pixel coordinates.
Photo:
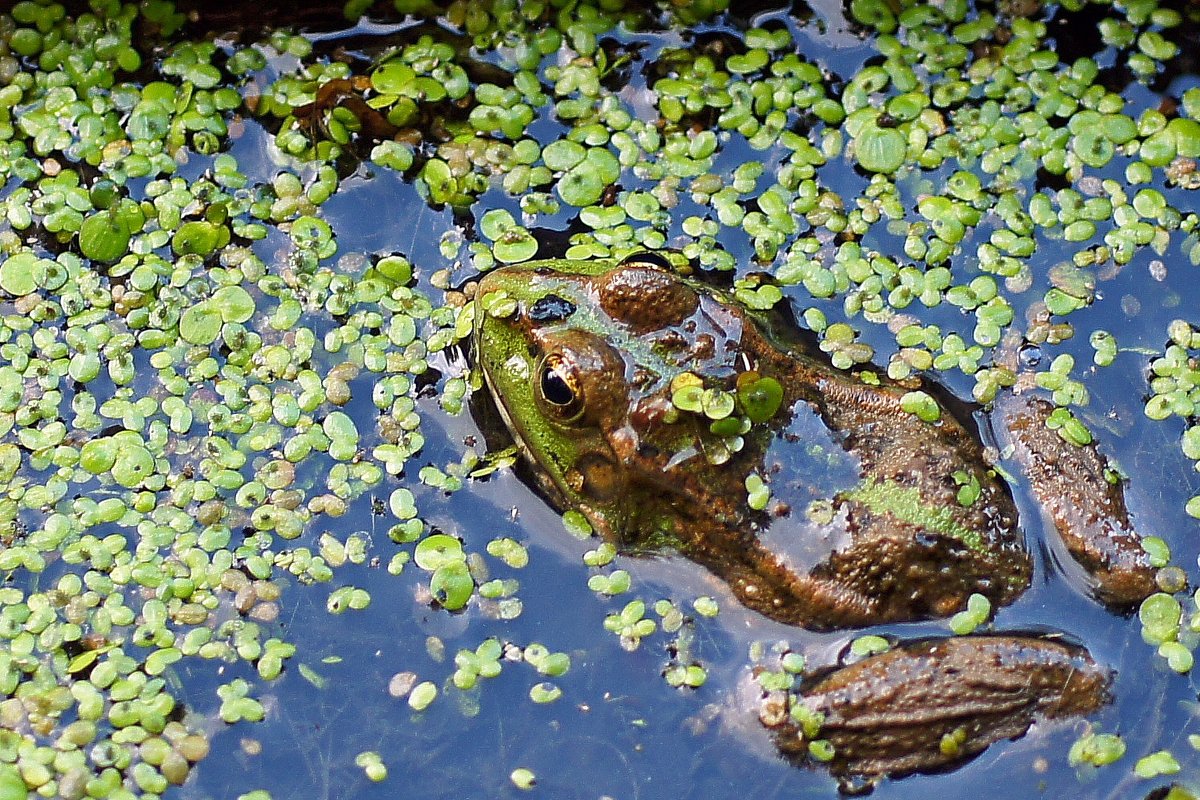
(1087, 509)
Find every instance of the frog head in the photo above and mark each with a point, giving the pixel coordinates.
(579, 357)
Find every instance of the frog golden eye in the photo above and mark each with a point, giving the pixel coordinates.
(647, 257)
(558, 388)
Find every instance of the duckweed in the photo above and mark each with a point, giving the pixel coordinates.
(864, 646)
(523, 778)
(1097, 749)
(821, 750)
(616, 582)
(758, 493)
(693, 676)
(706, 606)
(631, 624)
(372, 765)
(422, 695)
(922, 405)
(759, 397)
(1156, 764)
(978, 609)
(1160, 615)
(169, 395)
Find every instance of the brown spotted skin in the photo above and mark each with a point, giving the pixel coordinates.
(888, 715)
(642, 472)
(1086, 509)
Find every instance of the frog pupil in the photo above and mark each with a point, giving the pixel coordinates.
(555, 389)
(647, 257)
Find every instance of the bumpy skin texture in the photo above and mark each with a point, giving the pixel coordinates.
(1087, 511)
(899, 547)
(889, 714)
(580, 358)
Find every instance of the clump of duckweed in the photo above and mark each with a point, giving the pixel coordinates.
(978, 609)
(631, 624)
(940, 176)
(163, 388)
(176, 408)
(778, 672)
(1175, 390)
(372, 764)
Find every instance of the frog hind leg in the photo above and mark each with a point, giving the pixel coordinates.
(929, 704)
(1087, 510)
(762, 583)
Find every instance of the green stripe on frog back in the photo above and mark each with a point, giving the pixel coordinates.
(905, 503)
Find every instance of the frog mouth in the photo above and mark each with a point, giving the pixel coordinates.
(550, 486)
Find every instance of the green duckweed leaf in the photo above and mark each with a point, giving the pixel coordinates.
(198, 238)
(1097, 749)
(201, 323)
(104, 236)
(717, 404)
(1160, 614)
(563, 154)
(18, 274)
(338, 425)
(874, 13)
(438, 550)
(393, 78)
(132, 465)
(760, 399)
(98, 455)
(879, 149)
(1156, 764)
(12, 785)
(580, 186)
(496, 222)
(523, 778)
(422, 695)
(396, 269)
(922, 405)
(451, 584)
(688, 398)
(233, 303)
(514, 245)
(870, 645)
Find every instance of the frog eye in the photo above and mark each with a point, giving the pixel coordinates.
(646, 257)
(558, 388)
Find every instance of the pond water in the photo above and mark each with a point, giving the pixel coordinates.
(320, 443)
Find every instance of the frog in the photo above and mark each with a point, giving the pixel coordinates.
(652, 402)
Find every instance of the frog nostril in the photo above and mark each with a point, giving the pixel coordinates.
(551, 308)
